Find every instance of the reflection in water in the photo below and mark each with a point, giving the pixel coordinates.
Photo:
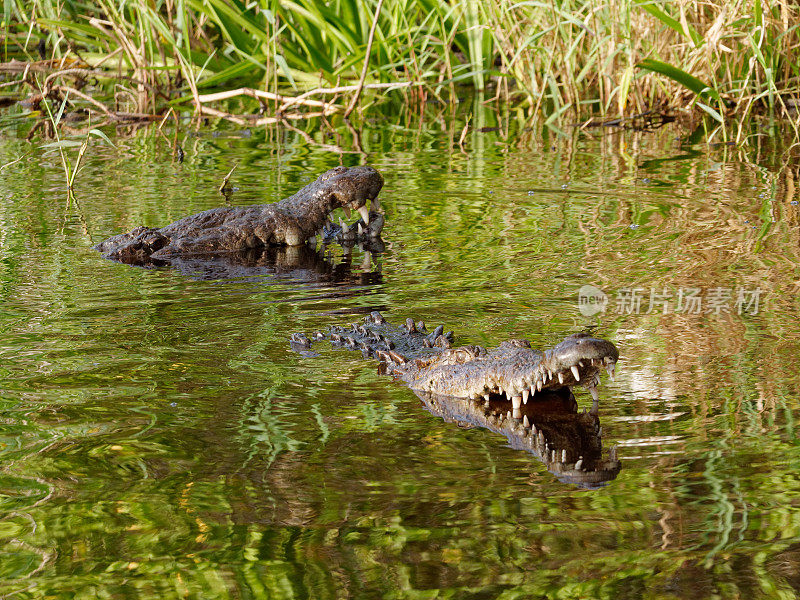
(568, 442)
(158, 439)
(297, 263)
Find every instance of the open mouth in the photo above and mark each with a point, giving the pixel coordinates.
(547, 376)
(369, 225)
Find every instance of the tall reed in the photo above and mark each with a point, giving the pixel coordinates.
(555, 57)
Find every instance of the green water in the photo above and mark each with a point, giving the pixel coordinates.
(159, 439)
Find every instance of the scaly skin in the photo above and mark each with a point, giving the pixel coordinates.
(494, 388)
(290, 222)
(514, 370)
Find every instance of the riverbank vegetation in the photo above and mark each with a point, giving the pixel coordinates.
(262, 61)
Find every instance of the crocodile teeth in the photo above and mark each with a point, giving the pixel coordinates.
(343, 225)
(595, 394)
(346, 210)
(575, 372)
(552, 456)
(579, 464)
(364, 212)
(612, 455)
(580, 363)
(564, 455)
(516, 402)
(525, 421)
(359, 228)
(560, 377)
(610, 369)
(549, 375)
(375, 205)
(486, 396)
(533, 429)
(526, 393)
(539, 385)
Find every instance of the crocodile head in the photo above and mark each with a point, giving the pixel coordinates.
(348, 188)
(513, 371)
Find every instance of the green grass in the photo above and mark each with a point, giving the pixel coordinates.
(554, 58)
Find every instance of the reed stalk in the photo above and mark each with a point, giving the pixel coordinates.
(557, 58)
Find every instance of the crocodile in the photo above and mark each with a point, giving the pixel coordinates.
(490, 387)
(293, 221)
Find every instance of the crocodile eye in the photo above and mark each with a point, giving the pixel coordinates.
(336, 171)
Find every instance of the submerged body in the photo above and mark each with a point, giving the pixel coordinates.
(290, 222)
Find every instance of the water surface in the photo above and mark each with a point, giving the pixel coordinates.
(160, 439)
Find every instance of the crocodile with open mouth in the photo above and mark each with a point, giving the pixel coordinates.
(290, 222)
(497, 389)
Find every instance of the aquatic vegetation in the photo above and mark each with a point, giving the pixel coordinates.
(291, 58)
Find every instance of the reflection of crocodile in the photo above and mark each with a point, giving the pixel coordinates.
(277, 264)
(492, 388)
(568, 442)
(290, 222)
